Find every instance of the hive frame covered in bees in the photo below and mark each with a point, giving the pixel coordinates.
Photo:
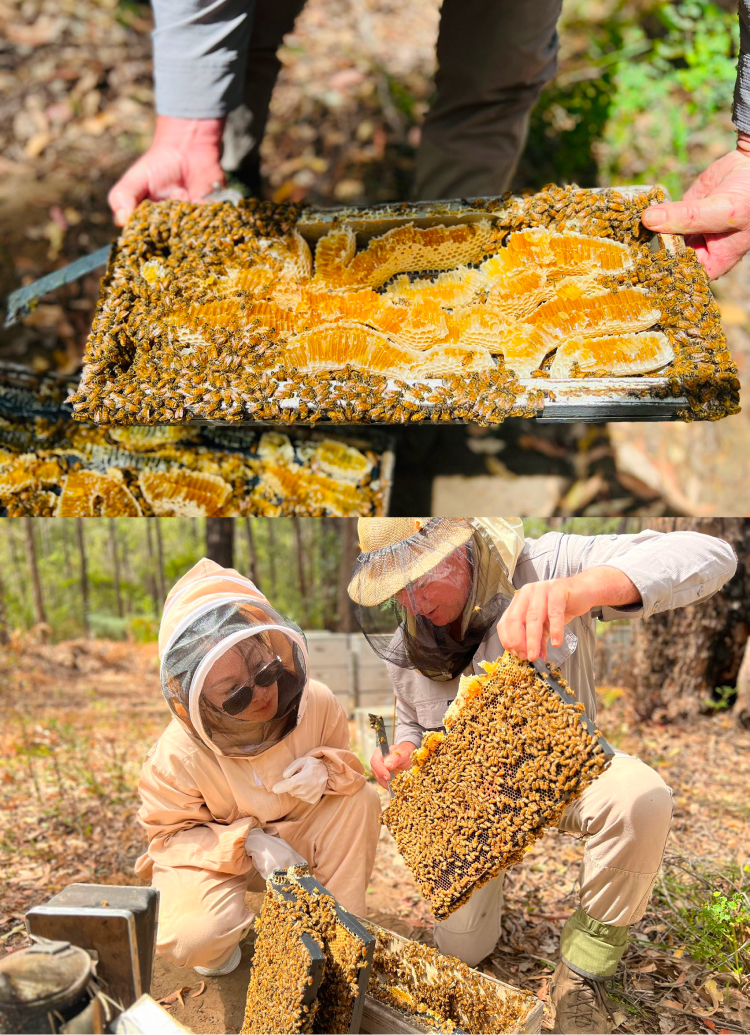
(518, 749)
(348, 925)
(300, 1000)
(420, 965)
(689, 390)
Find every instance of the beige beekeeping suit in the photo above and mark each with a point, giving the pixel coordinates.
(199, 806)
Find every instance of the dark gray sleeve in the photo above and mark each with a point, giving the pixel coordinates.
(200, 51)
(741, 109)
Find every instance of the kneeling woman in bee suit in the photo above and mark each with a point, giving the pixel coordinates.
(253, 772)
(462, 590)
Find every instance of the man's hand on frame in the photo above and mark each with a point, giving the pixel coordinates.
(714, 214)
(540, 611)
(397, 759)
(183, 163)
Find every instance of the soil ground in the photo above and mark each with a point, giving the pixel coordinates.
(77, 718)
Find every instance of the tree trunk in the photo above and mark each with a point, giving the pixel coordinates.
(680, 657)
(116, 564)
(220, 541)
(301, 580)
(349, 552)
(36, 585)
(742, 704)
(84, 576)
(3, 614)
(150, 580)
(252, 557)
(160, 563)
(272, 556)
(66, 547)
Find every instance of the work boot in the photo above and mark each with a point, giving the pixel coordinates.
(580, 1006)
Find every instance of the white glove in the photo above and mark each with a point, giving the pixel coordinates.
(270, 852)
(306, 778)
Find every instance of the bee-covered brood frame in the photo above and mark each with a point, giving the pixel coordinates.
(518, 749)
(191, 246)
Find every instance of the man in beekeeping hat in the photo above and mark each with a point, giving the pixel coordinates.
(253, 772)
(436, 596)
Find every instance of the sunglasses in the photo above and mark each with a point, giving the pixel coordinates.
(240, 698)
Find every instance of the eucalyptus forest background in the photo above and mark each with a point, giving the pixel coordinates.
(107, 578)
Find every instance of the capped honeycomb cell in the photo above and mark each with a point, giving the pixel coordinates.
(401, 250)
(180, 493)
(450, 289)
(90, 494)
(275, 448)
(527, 344)
(341, 461)
(619, 355)
(339, 345)
(568, 252)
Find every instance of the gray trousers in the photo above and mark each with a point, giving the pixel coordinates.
(494, 58)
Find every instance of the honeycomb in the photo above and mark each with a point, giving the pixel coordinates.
(293, 905)
(91, 494)
(478, 796)
(441, 992)
(280, 976)
(345, 956)
(340, 267)
(66, 467)
(615, 354)
(219, 313)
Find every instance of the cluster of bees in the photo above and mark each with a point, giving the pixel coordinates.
(290, 909)
(215, 312)
(278, 996)
(476, 798)
(53, 466)
(442, 992)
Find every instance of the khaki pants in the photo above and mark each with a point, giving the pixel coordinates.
(203, 916)
(494, 58)
(625, 815)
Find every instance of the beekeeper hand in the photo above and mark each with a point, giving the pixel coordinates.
(714, 213)
(397, 759)
(183, 162)
(306, 778)
(540, 611)
(269, 852)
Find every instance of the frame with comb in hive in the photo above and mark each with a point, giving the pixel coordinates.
(558, 305)
(517, 750)
(51, 465)
(296, 902)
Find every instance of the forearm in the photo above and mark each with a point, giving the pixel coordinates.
(604, 586)
(200, 51)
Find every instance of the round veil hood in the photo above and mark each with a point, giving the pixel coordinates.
(234, 671)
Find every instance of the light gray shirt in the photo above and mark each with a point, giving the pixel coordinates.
(668, 569)
(200, 53)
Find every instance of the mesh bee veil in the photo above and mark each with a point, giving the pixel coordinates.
(427, 601)
(234, 674)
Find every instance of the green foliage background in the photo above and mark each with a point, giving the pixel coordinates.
(643, 95)
(183, 544)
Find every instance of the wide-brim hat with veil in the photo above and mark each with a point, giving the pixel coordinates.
(210, 612)
(399, 554)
